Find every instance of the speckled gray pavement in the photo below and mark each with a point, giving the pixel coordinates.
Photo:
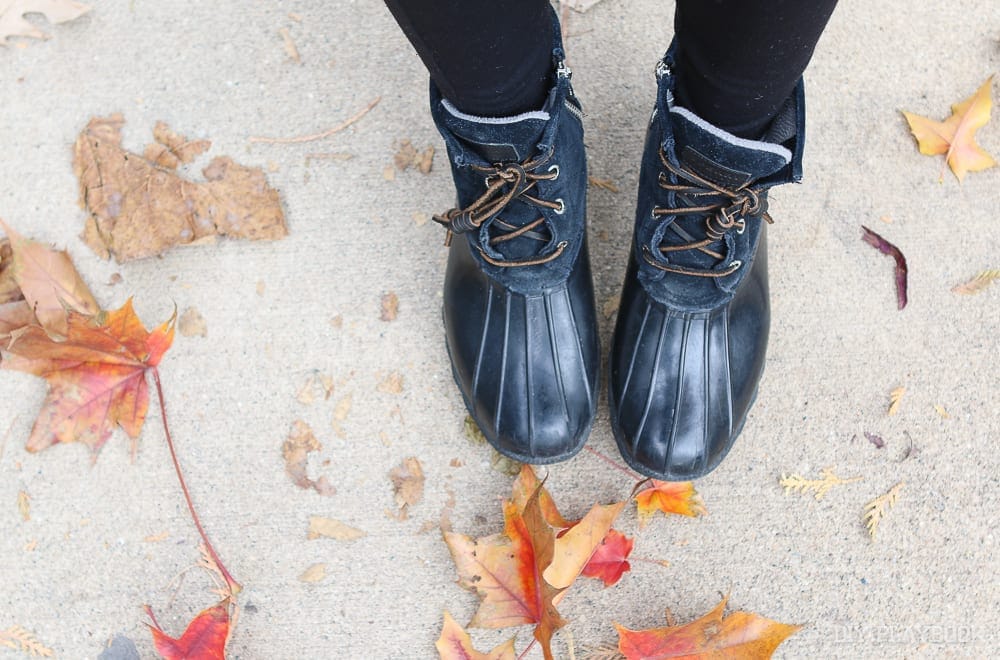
(928, 588)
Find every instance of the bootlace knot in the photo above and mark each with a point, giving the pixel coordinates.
(725, 209)
(505, 183)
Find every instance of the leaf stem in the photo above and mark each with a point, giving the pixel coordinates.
(525, 651)
(234, 586)
(614, 464)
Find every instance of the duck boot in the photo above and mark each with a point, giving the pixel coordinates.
(519, 315)
(689, 344)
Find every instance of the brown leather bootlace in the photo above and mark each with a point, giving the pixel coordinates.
(504, 184)
(728, 211)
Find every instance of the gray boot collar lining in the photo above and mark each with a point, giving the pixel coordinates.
(756, 145)
(455, 112)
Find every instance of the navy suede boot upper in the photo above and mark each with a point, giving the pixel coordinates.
(691, 335)
(518, 297)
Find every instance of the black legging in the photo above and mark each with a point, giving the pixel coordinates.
(737, 61)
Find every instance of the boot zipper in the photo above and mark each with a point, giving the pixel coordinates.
(562, 70)
(663, 68)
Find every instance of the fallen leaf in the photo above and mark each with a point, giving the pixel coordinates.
(738, 635)
(956, 136)
(97, 376)
(12, 23)
(204, 638)
(876, 509)
(391, 384)
(192, 323)
(48, 281)
(13, 316)
(794, 483)
(139, 209)
(10, 290)
(505, 571)
(340, 413)
(170, 149)
(977, 283)
(941, 411)
(295, 450)
(290, 49)
(528, 484)
(420, 219)
(332, 529)
(885, 247)
(575, 547)
(455, 644)
(314, 573)
(390, 306)
(407, 156)
(678, 497)
(505, 464)
(19, 638)
(472, 432)
(610, 560)
(875, 439)
(316, 385)
(389, 173)
(895, 397)
(24, 505)
(407, 485)
(261, 287)
(611, 306)
(31, 545)
(606, 184)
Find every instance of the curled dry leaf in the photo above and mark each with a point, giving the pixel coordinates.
(295, 450)
(738, 635)
(192, 323)
(97, 376)
(677, 497)
(45, 279)
(876, 509)
(955, 137)
(320, 527)
(204, 638)
(794, 483)
(885, 247)
(875, 439)
(138, 208)
(12, 12)
(455, 644)
(407, 485)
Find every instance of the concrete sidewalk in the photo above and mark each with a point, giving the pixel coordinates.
(928, 587)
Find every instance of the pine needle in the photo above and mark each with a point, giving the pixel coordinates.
(794, 483)
(977, 283)
(17, 637)
(878, 507)
(895, 397)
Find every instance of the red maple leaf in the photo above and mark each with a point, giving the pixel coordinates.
(97, 376)
(204, 638)
(610, 560)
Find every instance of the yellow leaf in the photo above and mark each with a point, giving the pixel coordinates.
(977, 283)
(333, 529)
(895, 397)
(314, 573)
(955, 136)
(878, 507)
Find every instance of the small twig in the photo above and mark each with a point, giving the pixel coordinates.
(234, 586)
(615, 465)
(319, 136)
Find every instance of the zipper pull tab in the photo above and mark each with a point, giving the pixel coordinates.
(563, 71)
(663, 68)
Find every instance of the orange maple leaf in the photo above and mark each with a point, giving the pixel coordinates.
(455, 644)
(610, 560)
(956, 136)
(678, 497)
(712, 637)
(203, 639)
(97, 376)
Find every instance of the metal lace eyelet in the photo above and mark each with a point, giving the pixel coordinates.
(735, 265)
(562, 206)
(741, 227)
(555, 170)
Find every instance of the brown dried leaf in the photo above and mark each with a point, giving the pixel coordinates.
(139, 209)
(192, 323)
(316, 385)
(977, 283)
(407, 156)
(875, 439)
(407, 485)
(390, 306)
(171, 149)
(340, 413)
(392, 384)
(314, 573)
(320, 527)
(10, 291)
(895, 397)
(885, 247)
(295, 450)
(12, 23)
